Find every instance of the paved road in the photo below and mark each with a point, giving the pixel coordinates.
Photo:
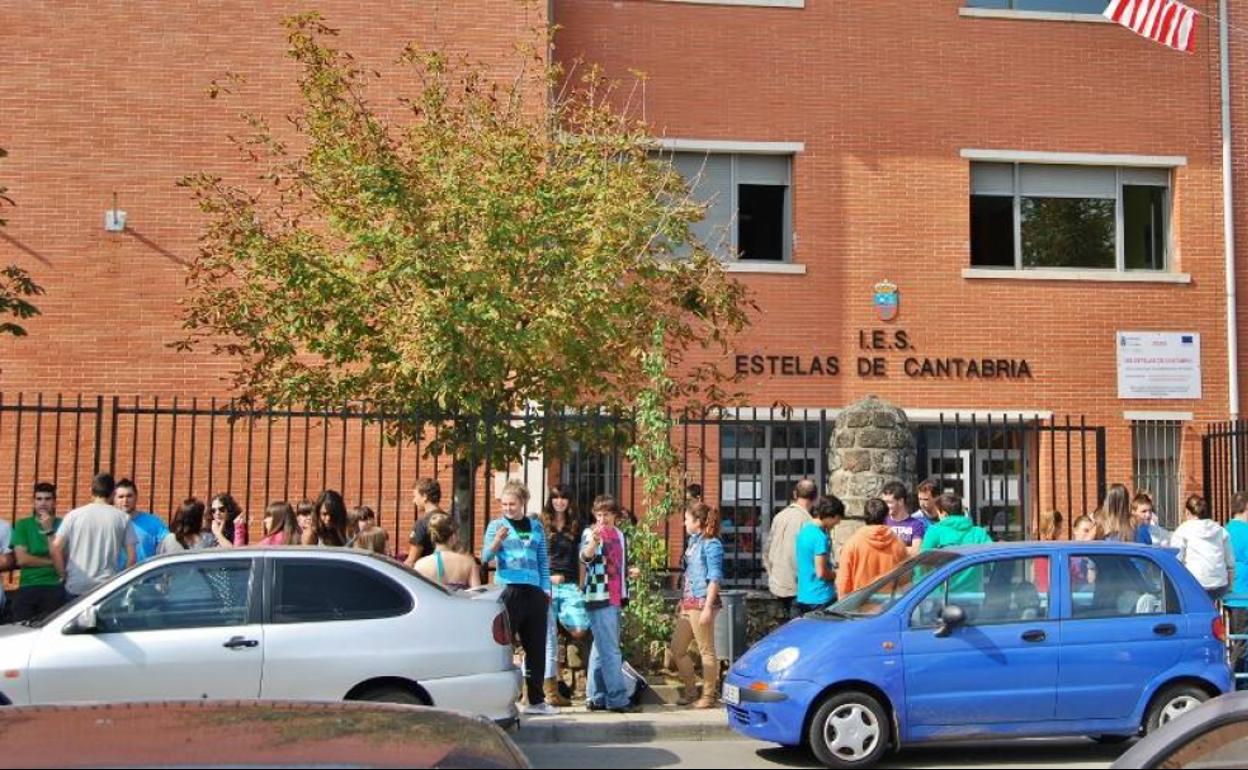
(751, 754)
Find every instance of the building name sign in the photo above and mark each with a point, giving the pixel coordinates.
(905, 359)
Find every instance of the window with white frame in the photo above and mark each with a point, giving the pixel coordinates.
(749, 200)
(1036, 216)
(1056, 6)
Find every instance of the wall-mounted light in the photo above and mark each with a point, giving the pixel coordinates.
(115, 218)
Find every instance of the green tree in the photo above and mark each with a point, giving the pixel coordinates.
(15, 284)
(491, 249)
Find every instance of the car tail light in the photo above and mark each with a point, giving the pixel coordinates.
(1219, 629)
(502, 629)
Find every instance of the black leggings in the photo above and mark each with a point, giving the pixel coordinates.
(526, 612)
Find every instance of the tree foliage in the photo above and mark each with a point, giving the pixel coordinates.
(487, 249)
(15, 284)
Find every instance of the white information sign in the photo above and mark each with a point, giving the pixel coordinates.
(1159, 365)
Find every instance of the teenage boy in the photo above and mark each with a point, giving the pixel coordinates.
(41, 590)
(908, 529)
(816, 566)
(871, 552)
(606, 591)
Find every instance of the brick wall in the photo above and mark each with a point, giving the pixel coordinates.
(885, 95)
(111, 96)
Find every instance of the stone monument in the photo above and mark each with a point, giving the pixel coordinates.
(872, 444)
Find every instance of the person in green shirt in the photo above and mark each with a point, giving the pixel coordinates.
(40, 590)
(954, 529)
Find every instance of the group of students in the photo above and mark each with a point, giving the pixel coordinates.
(1216, 555)
(807, 571)
(61, 558)
(562, 572)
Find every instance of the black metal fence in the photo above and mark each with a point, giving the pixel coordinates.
(1224, 455)
(745, 460)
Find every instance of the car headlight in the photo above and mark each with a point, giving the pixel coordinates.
(783, 659)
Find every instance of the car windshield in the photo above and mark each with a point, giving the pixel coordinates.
(888, 590)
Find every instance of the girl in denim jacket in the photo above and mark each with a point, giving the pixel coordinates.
(695, 619)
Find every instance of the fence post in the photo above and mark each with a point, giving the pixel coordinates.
(1206, 464)
(99, 432)
(1100, 466)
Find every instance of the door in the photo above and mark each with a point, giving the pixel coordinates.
(335, 623)
(998, 666)
(998, 500)
(1122, 627)
(181, 630)
(954, 469)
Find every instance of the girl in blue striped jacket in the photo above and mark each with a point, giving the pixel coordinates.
(518, 543)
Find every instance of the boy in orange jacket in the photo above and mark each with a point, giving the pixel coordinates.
(870, 553)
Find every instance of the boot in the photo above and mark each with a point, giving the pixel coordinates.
(550, 688)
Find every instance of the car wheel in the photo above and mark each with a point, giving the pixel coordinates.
(849, 729)
(1171, 703)
(392, 693)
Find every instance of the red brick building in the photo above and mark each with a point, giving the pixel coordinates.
(1031, 182)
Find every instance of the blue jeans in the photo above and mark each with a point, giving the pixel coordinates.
(606, 686)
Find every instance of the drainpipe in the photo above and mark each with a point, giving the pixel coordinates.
(1228, 220)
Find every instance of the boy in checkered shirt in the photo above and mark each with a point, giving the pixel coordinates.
(606, 592)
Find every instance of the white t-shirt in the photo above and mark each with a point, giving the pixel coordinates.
(94, 537)
(1205, 549)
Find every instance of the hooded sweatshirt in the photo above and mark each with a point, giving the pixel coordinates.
(870, 553)
(1205, 549)
(954, 530)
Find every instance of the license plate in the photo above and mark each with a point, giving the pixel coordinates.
(732, 694)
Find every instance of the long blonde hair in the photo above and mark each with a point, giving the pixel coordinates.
(1115, 516)
(1049, 525)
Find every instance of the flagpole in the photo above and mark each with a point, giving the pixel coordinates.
(1228, 220)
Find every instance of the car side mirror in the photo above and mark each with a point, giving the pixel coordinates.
(951, 617)
(87, 622)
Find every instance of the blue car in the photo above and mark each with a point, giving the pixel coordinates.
(1010, 640)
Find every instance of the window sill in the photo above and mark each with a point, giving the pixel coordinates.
(1008, 13)
(754, 3)
(1075, 275)
(768, 268)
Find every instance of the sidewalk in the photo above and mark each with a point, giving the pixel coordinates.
(653, 723)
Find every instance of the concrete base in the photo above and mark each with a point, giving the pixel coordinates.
(654, 723)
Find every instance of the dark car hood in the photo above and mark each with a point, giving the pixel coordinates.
(251, 734)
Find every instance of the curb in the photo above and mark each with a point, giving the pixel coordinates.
(611, 728)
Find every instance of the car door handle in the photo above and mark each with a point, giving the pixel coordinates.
(1165, 629)
(239, 642)
(1034, 636)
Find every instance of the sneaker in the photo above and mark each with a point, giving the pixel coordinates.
(595, 707)
(541, 710)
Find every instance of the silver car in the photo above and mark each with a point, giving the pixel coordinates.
(274, 623)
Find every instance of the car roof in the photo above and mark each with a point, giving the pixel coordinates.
(1056, 546)
(251, 734)
(279, 551)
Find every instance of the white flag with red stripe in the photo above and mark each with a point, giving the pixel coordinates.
(1165, 21)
